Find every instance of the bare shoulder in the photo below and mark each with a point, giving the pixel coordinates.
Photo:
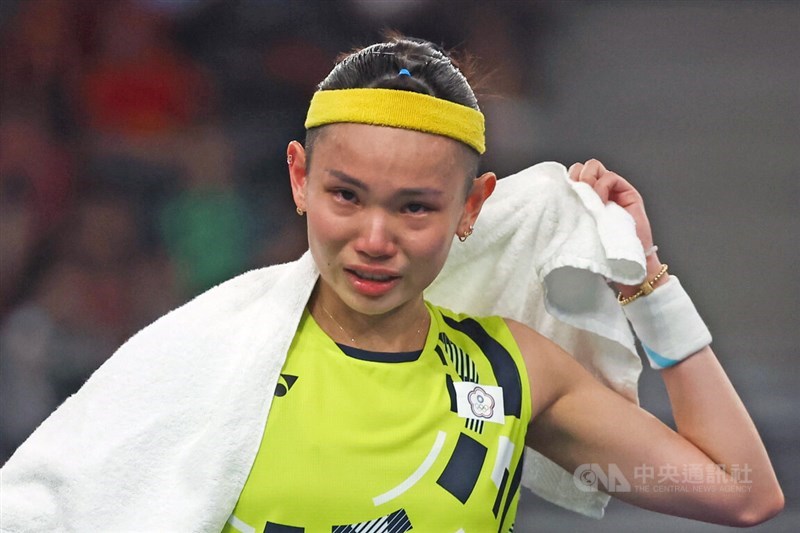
(552, 372)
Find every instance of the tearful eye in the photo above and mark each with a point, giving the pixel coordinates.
(344, 194)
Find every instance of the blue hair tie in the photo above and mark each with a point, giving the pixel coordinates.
(404, 72)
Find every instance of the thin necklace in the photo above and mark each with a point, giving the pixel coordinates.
(352, 339)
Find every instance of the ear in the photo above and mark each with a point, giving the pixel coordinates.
(296, 159)
(482, 188)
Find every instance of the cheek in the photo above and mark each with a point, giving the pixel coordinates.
(324, 235)
(431, 250)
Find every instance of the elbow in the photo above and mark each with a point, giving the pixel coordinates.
(760, 511)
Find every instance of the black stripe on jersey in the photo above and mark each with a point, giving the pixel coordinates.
(396, 522)
(512, 490)
(272, 527)
(465, 366)
(451, 390)
(438, 350)
(500, 492)
(462, 470)
(379, 357)
(503, 366)
(474, 425)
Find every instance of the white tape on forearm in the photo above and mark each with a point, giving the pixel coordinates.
(667, 324)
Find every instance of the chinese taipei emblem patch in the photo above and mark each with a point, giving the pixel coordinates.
(479, 402)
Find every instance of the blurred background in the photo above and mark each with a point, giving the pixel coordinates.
(142, 161)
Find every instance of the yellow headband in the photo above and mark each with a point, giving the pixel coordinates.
(399, 109)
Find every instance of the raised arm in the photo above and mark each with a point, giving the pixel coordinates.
(714, 468)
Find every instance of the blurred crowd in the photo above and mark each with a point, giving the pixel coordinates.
(142, 157)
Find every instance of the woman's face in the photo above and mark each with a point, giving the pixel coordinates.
(383, 205)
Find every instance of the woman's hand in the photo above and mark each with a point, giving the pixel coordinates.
(578, 421)
(611, 187)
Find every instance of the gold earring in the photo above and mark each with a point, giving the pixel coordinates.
(300, 211)
(467, 233)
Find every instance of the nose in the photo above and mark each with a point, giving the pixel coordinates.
(377, 238)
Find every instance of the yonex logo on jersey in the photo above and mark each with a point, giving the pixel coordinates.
(285, 383)
(479, 402)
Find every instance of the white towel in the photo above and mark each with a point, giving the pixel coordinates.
(163, 435)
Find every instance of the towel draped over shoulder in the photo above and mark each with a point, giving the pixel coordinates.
(162, 436)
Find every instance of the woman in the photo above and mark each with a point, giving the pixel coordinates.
(392, 413)
(383, 204)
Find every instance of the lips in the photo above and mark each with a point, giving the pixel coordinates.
(373, 277)
(372, 281)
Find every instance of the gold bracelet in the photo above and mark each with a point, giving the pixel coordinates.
(645, 288)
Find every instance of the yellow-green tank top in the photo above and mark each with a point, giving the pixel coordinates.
(359, 441)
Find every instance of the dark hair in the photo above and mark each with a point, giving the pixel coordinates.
(433, 72)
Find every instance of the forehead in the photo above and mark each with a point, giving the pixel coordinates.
(380, 153)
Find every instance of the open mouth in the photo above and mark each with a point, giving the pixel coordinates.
(371, 276)
(371, 283)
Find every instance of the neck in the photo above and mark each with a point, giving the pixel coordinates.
(402, 329)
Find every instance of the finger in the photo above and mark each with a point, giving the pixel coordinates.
(575, 171)
(613, 187)
(605, 185)
(591, 171)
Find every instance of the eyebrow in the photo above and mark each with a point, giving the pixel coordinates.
(357, 183)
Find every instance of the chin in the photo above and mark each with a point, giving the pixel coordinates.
(372, 306)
